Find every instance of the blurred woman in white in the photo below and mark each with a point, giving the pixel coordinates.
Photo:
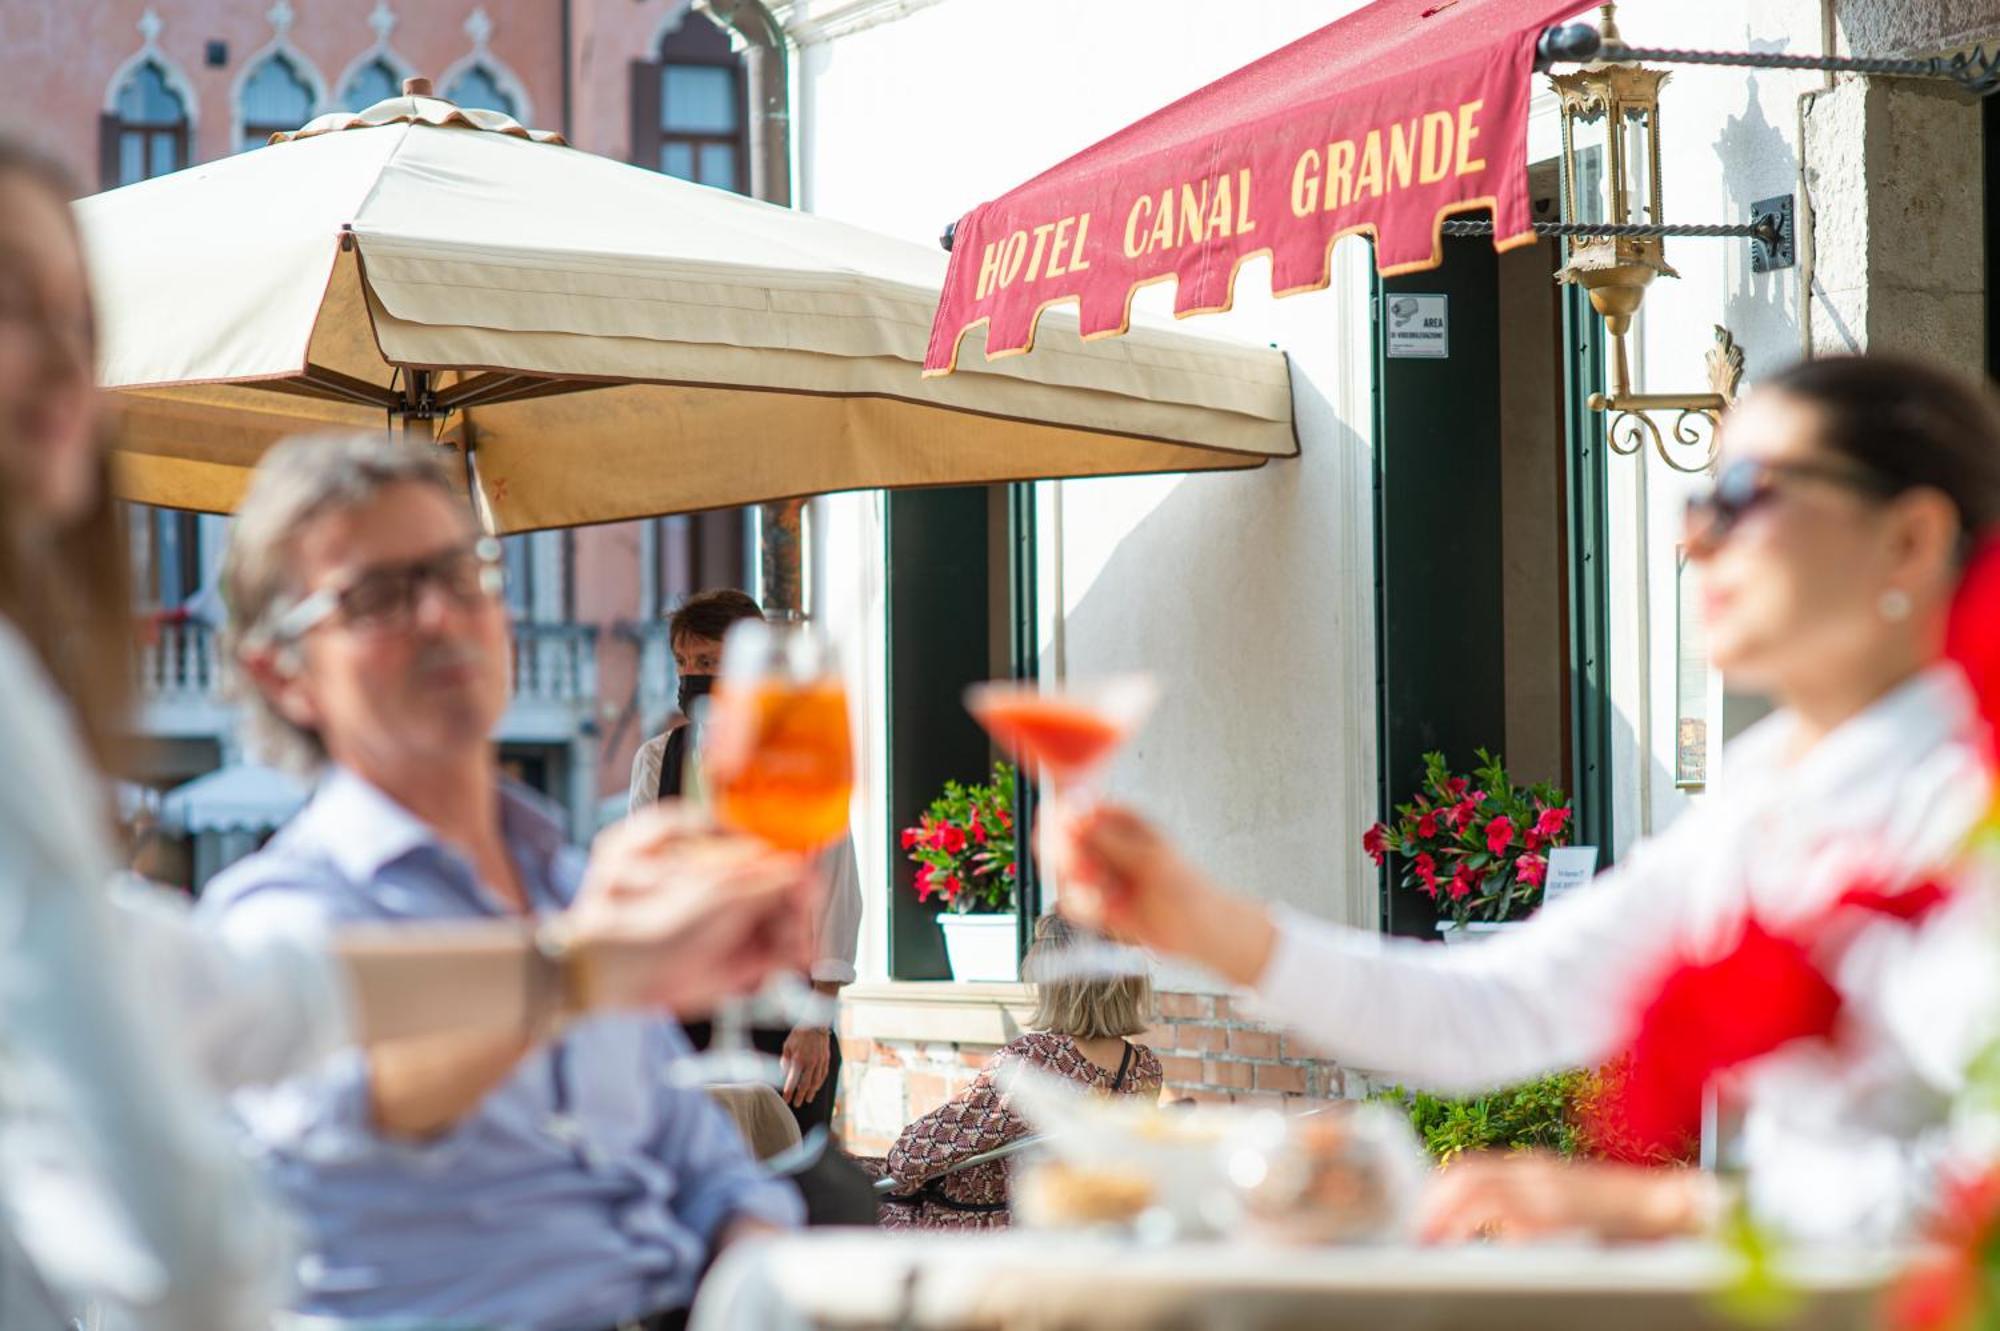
(117, 1019)
(1848, 497)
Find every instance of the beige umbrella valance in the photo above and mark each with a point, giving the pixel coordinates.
(606, 341)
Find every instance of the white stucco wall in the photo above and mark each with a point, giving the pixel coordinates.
(1732, 137)
(1249, 595)
(1729, 138)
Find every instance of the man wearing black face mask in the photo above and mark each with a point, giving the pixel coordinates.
(662, 768)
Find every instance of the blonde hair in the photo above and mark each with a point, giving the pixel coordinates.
(1083, 1007)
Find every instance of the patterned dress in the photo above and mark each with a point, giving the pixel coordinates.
(978, 1119)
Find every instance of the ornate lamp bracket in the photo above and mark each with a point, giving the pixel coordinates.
(1632, 426)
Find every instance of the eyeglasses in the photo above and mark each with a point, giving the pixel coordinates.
(386, 597)
(1747, 484)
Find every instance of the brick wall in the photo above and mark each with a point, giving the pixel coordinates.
(1210, 1049)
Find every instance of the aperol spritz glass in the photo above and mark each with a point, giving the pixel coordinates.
(777, 763)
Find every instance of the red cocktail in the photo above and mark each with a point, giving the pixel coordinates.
(1068, 735)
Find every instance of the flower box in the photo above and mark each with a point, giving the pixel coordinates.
(982, 947)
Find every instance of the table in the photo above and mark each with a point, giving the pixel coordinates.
(861, 1280)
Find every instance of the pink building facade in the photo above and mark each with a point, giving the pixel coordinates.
(124, 89)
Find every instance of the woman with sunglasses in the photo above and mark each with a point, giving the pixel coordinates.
(118, 1020)
(1849, 495)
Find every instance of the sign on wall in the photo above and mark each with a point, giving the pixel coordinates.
(1418, 327)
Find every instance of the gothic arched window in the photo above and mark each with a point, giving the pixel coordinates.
(276, 99)
(146, 134)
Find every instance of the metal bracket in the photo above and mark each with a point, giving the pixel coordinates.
(1768, 253)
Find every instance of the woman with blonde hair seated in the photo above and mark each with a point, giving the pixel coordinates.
(1080, 1032)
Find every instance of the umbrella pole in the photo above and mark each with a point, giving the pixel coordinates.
(420, 404)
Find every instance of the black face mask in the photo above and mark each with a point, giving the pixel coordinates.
(692, 687)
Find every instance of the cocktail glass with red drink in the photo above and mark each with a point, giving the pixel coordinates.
(1068, 735)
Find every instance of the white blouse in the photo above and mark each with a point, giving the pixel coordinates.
(118, 1021)
(1835, 1147)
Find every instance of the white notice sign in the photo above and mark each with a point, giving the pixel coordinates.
(1419, 326)
(1569, 868)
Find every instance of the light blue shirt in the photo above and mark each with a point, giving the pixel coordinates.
(583, 1191)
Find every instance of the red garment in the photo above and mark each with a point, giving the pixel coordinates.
(978, 1119)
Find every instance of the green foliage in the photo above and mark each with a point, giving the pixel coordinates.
(1539, 1116)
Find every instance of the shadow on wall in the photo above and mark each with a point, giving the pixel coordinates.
(1644, 809)
(1248, 595)
(1758, 161)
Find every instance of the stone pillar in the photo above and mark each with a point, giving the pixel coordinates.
(1894, 170)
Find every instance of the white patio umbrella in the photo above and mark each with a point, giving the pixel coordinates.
(596, 341)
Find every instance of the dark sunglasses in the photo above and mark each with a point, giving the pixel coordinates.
(1747, 484)
(385, 597)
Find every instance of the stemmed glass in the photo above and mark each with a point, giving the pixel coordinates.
(777, 763)
(1069, 735)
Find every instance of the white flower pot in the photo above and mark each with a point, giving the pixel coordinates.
(1473, 932)
(982, 947)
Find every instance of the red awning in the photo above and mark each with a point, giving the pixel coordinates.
(1384, 122)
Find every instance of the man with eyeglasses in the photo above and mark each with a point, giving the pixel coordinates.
(532, 1179)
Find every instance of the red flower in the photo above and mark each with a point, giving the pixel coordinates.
(924, 884)
(950, 840)
(1909, 904)
(1707, 1017)
(1531, 869)
(1499, 834)
(1972, 636)
(910, 837)
(1551, 823)
(952, 887)
(1375, 842)
(978, 832)
(1462, 813)
(1427, 826)
(1463, 881)
(1531, 839)
(1456, 787)
(1941, 1292)
(1006, 818)
(1427, 873)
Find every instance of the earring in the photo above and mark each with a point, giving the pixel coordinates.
(1894, 605)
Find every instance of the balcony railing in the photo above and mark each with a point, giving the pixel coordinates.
(555, 663)
(179, 662)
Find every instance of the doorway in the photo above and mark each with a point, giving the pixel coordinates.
(1490, 503)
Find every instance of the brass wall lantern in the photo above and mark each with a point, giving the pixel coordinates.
(1611, 183)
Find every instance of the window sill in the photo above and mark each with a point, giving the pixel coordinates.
(938, 1011)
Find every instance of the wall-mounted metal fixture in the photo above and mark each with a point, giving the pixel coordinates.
(1975, 71)
(1611, 193)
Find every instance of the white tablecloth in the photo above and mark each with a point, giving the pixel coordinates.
(1030, 1282)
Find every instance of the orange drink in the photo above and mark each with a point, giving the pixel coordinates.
(780, 765)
